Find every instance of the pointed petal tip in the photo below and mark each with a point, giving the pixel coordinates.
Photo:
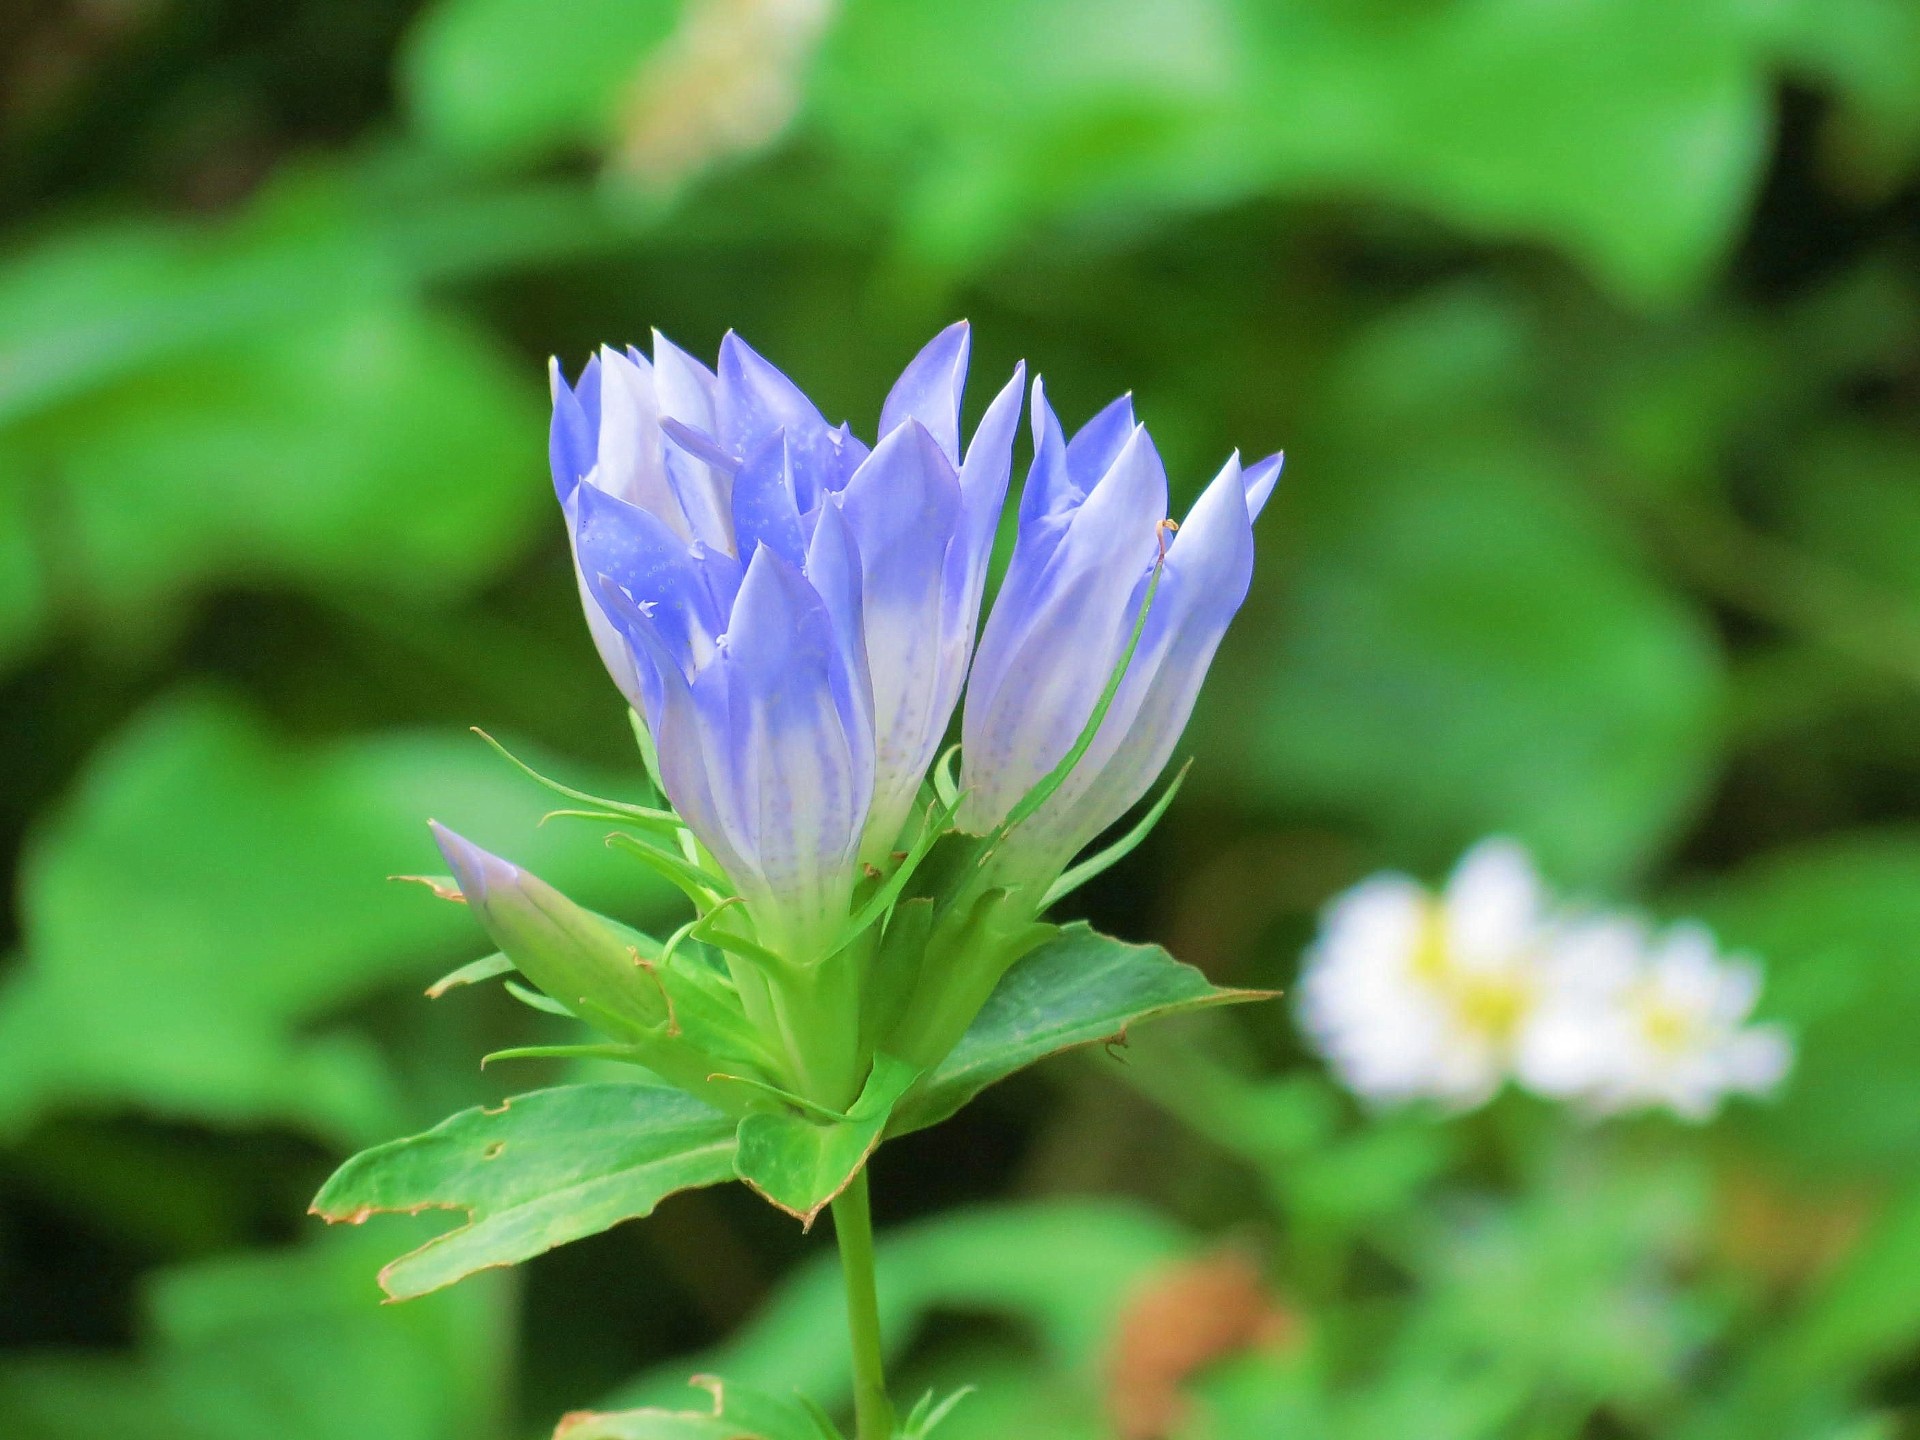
(1039, 411)
(467, 860)
(1260, 479)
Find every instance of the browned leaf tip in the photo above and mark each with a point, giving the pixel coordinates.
(441, 885)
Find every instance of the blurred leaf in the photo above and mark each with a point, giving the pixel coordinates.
(1575, 1286)
(284, 459)
(208, 898)
(88, 307)
(1853, 499)
(1015, 1397)
(83, 309)
(1323, 1171)
(543, 1169)
(1466, 647)
(503, 80)
(1868, 50)
(1864, 1317)
(263, 400)
(800, 1163)
(23, 599)
(1627, 133)
(1078, 988)
(1833, 924)
(1061, 1268)
(288, 1345)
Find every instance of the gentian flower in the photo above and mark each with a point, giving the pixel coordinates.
(1091, 541)
(791, 613)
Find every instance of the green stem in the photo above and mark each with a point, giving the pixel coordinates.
(853, 1228)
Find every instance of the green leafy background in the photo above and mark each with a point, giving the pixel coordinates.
(1593, 332)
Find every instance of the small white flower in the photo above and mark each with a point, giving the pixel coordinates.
(1629, 1021)
(1416, 996)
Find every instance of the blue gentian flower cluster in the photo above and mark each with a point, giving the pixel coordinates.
(792, 616)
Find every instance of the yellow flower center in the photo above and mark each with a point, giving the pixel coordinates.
(1491, 1004)
(1665, 1027)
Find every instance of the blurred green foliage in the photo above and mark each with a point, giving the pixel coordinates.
(1593, 330)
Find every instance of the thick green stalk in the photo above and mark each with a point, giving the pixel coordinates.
(853, 1228)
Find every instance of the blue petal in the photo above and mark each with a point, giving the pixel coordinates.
(1098, 443)
(1047, 506)
(644, 659)
(983, 495)
(690, 727)
(700, 475)
(1209, 567)
(687, 388)
(929, 390)
(1118, 525)
(1259, 480)
(698, 445)
(1064, 473)
(754, 399)
(634, 549)
(1049, 494)
(573, 438)
(796, 770)
(903, 509)
(698, 468)
(849, 454)
(616, 651)
(764, 512)
(631, 466)
(1052, 641)
(833, 569)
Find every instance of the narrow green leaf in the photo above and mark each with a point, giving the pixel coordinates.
(770, 1091)
(649, 756)
(543, 1169)
(1106, 859)
(624, 1054)
(946, 777)
(800, 1164)
(707, 929)
(1076, 989)
(823, 1426)
(644, 815)
(927, 1414)
(535, 1000)
(485, 968)
(697, 884)
(669, 830)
